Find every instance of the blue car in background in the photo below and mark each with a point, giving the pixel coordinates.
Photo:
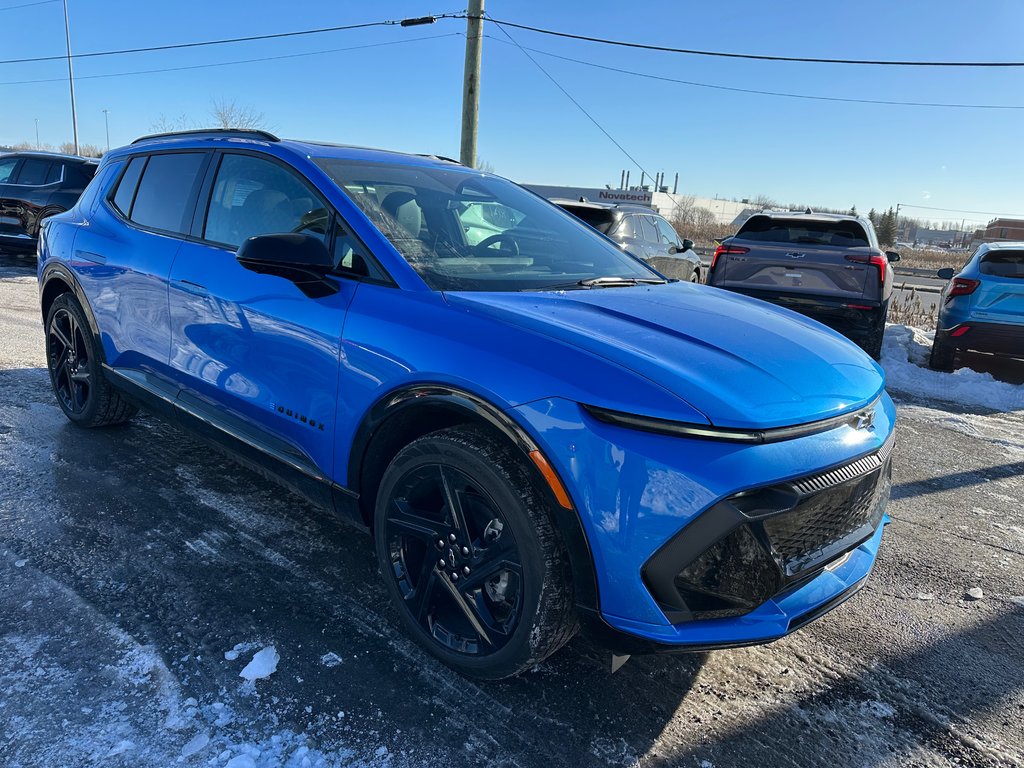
(541, 432)
(982, 307)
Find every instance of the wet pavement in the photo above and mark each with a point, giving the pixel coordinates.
(132, 559)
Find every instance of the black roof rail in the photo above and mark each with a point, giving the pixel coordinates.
(238, 133)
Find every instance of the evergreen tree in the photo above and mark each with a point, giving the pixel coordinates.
(887, 228)
(853, 210)
(873, 217)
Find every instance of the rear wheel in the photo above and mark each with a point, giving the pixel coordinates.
(469, 555)
(72, 356)
(943, 357)
(695, 276)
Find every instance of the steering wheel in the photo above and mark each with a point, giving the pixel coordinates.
(500, 237)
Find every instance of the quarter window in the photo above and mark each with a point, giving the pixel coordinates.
(125, 193)
(650, 233)
(55, 174)
(252, 196)
(165, 197)
(7, 168)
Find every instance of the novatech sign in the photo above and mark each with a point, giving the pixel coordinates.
(594, 195)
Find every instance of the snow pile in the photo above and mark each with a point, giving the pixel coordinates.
(263, 664)
(905, 359)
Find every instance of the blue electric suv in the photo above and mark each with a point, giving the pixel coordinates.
(541, 432)
(982, 306)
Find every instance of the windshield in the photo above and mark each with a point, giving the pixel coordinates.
(469, 232)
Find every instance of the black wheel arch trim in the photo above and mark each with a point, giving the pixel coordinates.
(477, 408)
(60, 271)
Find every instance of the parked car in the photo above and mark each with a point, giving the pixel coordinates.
(643, 233)
(538, 429)
(982, 306)
(826, 266)
(34, 185)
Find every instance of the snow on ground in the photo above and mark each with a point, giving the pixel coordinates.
(905, 359)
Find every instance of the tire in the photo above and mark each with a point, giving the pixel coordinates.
(695, 276)
(73, 359)
(942, 358)
(481, 582)
(873, 343)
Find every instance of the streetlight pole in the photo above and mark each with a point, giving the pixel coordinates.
(471, 82)
(106, 124)
(71, 76)
(37, 133)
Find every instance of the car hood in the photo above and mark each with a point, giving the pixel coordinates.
(741, 362)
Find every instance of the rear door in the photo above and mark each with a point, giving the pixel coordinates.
(1000, 296)
(28, 188)
(801, 256)
(9, 224)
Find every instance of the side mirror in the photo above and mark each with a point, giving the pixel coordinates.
(946, 273)
(892, 256)
(302, 259)
(285, 250)
(687, 245)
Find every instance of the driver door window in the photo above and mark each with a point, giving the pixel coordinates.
(668, 234)
(252, 196)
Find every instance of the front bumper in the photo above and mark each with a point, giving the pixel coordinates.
(995, 338)
(652, 505)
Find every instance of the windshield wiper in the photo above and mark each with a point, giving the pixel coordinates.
(610, 281)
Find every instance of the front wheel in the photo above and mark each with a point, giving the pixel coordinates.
(73, 359)
(469, 555)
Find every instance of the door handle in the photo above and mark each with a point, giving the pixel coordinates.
(95, 258)
(194, 288)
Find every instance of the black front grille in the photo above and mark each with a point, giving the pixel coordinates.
(758, 543)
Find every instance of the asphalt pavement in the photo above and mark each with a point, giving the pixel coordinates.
(140, 571)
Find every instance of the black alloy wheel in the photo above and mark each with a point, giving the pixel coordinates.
(455, 560)
(73, 358)
(469, 554)
(69, 358)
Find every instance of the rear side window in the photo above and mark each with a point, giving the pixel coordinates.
(125, 193)
(165, 198)
(1003, 264)
(33, 172)
(647, 229)
(626, 229)
(848, 234)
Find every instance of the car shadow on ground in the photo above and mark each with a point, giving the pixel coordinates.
(1008, 369)
(892, 692)
(957, 480)
(192, 555)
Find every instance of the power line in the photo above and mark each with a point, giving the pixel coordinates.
(27, 5)
(228, 63)
(960, 210)
(231, 40)
(568, 95)
(764, 93)
(756, 57)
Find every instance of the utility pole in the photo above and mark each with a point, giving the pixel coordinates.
(106, 124)
(471, 82)
(71, 76)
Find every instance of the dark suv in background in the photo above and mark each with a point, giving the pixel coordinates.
(826, 266)
(641, 232)
(34, 185)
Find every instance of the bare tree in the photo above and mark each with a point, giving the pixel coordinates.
(164, 124)
(84, 150)
(485, 166)
(231, 114)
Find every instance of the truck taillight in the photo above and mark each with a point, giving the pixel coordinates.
(962, 286)
(727, 249)
(875, 260)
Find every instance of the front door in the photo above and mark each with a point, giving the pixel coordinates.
(253, 353)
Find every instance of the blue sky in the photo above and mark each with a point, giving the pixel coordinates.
(407, 95)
